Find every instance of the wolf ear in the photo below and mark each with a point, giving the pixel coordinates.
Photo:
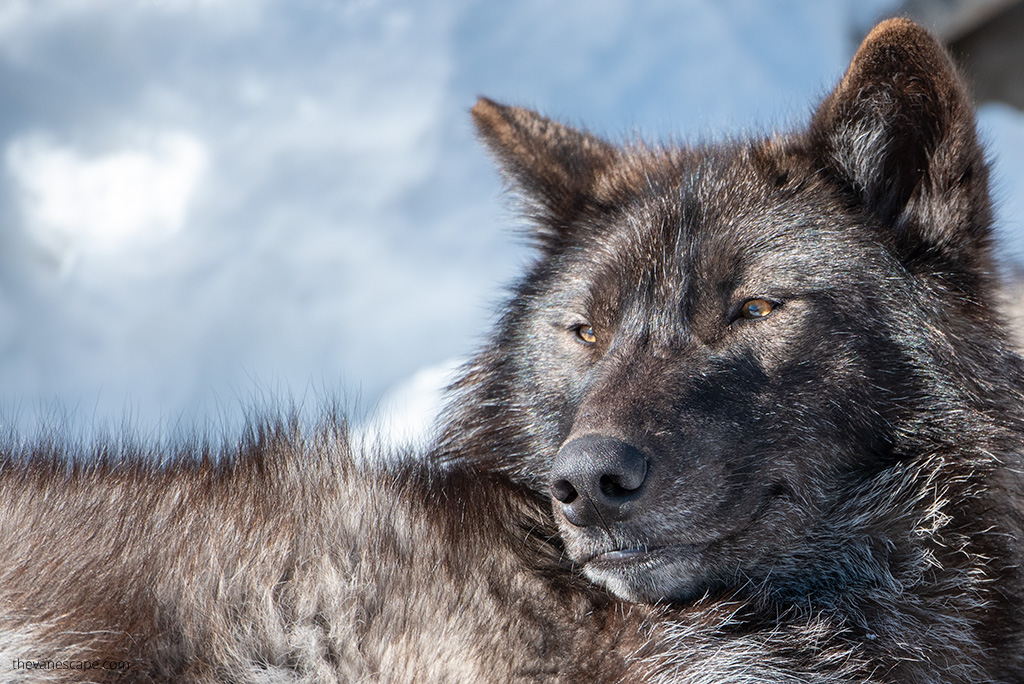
(898, 135)
(557, 169)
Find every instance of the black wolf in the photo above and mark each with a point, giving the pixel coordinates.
(773, 371)
(758, 390)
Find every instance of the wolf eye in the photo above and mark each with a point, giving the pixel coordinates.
(756, 308)
(585, 334)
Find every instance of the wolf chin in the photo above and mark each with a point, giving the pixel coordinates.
(751, 416)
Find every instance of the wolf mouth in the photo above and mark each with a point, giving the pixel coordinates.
(620, 556)
(634, 556)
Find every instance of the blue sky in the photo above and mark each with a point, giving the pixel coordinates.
(205, 203)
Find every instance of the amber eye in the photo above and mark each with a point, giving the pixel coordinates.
(756, 308)
(585, 334)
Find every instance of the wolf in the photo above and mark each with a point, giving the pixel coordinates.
(751, 416)
(773, 371)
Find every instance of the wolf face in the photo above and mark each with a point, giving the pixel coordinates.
(724, 365)
(724, 354)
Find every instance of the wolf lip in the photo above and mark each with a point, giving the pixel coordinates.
(620, 556)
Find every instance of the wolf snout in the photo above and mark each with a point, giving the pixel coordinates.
(595, 479)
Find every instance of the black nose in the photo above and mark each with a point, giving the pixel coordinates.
(594, 478)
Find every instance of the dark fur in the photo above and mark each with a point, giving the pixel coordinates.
(828, 494)
(855, 454)
(290, 562)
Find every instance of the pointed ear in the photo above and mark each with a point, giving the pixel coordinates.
(558, 170)
(898, 135)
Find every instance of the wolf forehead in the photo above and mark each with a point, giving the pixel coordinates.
(752, 213)
(716, 221)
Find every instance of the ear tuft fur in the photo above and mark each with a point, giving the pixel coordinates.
(898, 135)
(556, 168)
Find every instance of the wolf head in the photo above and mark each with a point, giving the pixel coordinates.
(722, 349)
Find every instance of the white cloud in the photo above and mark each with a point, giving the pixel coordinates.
(24, 22)
(19, 15)
(73, 202)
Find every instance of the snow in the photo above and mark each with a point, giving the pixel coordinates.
(405, 416)
(72, 202)
(205, 201)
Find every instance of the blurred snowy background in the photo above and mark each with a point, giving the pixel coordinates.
(208, 203)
